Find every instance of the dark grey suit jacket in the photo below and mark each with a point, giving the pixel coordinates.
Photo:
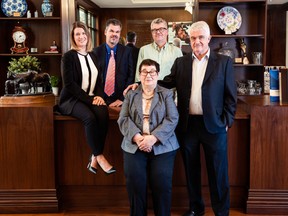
(124, 69)
(163, 120)
(219, 92)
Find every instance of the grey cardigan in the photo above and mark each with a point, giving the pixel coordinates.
(163, 120)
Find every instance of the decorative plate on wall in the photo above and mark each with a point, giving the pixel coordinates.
(16, 8)
(229, 19)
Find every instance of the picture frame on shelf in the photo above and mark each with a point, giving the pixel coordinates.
(179, 30)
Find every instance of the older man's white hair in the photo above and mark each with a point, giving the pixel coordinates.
(200, 25)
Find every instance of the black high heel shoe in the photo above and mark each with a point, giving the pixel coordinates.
(89, 166)
(108, 172)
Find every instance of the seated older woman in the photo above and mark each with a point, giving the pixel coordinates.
(147, 121)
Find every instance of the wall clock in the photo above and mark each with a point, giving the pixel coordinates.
(19, 37)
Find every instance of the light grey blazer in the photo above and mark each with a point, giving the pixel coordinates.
(163, 120)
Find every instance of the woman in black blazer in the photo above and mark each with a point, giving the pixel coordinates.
(82, 95)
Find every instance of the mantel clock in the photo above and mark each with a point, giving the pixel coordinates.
(19, 37)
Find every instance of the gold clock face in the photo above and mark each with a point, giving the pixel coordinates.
(19, 36)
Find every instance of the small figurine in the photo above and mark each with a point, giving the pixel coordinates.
(53, 48)
(243, 48)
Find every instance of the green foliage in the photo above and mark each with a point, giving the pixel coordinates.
(24, 64)
(54, 80)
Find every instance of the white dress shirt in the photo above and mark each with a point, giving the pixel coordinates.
(198, 73)
(88, 80)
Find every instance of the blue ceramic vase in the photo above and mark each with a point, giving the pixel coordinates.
(47, 8)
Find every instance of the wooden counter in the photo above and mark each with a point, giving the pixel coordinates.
(27, 162)
(81, 189)
(43, 160)
(268, 187)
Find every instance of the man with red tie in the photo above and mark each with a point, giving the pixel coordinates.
(115, 64)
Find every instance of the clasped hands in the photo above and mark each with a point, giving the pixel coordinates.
(145, 142)
(97, 100)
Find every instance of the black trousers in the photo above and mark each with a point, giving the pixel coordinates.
(141, 168)
(95, 120)
(215, 151)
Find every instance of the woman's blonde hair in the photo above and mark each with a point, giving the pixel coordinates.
(82, 25)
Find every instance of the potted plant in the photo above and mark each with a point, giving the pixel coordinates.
(24, 64)
(20, 74)
(54, 81)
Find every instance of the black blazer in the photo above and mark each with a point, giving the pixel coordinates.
(124, 69)
(72, 78)
(219, 91)
(135, 53)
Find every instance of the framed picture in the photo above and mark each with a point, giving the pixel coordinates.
(179, 30)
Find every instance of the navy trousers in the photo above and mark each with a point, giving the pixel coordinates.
(142, 168)
(215, 150)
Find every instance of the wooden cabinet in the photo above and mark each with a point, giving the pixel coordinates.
(41, 31)
(27, 162)
(268, 178)
(252, 30)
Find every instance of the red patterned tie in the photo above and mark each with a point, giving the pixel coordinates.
(110, 76)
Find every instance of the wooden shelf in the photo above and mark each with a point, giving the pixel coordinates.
(248, 65)
(230, 1)
(32, 54)
(30, 19)
(45, 98)
(252, 30)
(41, 32)
(238, 36)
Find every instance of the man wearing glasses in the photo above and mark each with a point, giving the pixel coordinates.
(207, 99)
(160, 50)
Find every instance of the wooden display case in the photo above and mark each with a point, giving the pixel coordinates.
(41, 32)
(252, 30)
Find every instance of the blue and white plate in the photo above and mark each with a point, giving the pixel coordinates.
(229, 19)
(10, 6)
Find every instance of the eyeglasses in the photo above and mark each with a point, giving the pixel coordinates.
(201, 38)
(161, 30)
(152, 72)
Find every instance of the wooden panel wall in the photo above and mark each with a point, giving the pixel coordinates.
(276, 35)
(139, 20)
